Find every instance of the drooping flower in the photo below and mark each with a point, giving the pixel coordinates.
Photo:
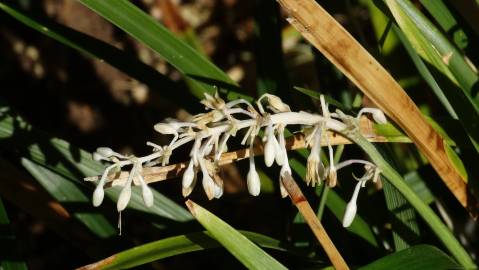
(270, 147)
(376, 113)
(315, 169)
(351, 207)
(125, 193)
(146, 192)
(188, 175)
(252, 180)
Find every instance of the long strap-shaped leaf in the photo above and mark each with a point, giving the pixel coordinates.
(173, 246)
(248, 253)
(329, 37)
(124, 14)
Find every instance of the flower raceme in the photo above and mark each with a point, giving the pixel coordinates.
(209, 133)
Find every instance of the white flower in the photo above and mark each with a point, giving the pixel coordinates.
(98, 157)
(125, 193)
(188, 175)
(98, 195)
(208, 184)
(351, 208)
(315, 168)
(187, 191)
(252, 180)
(124, 198)
(281, 158)
(105, 151)
(376, 113)
(270, 147)
(146, 192)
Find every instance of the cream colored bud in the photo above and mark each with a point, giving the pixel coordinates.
(187, 191)
(277, 103)
(98, 157)
(124, 198)
(332, 176)
(351, 207)
(270, 149)
(165, 128)
(209, 186)
(105, 152)
(188, 176)
(147, 195)
(379, 116)
(218, 191)
(98, 195)
(253, 182)
(279, 157)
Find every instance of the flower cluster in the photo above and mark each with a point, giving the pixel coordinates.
(209, 133)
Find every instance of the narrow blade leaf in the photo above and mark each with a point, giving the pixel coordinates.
(249, 254)
(172, 246)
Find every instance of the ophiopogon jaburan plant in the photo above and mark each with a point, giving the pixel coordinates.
(264, 128)
(209, 133)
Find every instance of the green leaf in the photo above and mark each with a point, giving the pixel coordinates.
(67, 192)
(148, 31)
(435, 49)
(249, 254)
(420, 257)
(443, 16)
(177, 245)
(8, 251)
(456, 161)
(417, 183)
(424, 71)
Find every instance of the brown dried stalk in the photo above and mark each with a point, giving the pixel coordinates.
(336, 44)
(156, 174)
(313, 222)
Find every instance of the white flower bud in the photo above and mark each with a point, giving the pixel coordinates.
(124, 198)
(147, 195)
(186, 191)
(279, 157)
(98, 157)
(209, 186)
(165, 128)
(376, 113)
(218, 191)
(332, 176)
(98, 195)
(285, 171)
(188, 175)
(105, 152)
(270, 149)
(379, 116)
(277, 103)
(351, 207)
(253, 182)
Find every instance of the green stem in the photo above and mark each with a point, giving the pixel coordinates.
(436, 225)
